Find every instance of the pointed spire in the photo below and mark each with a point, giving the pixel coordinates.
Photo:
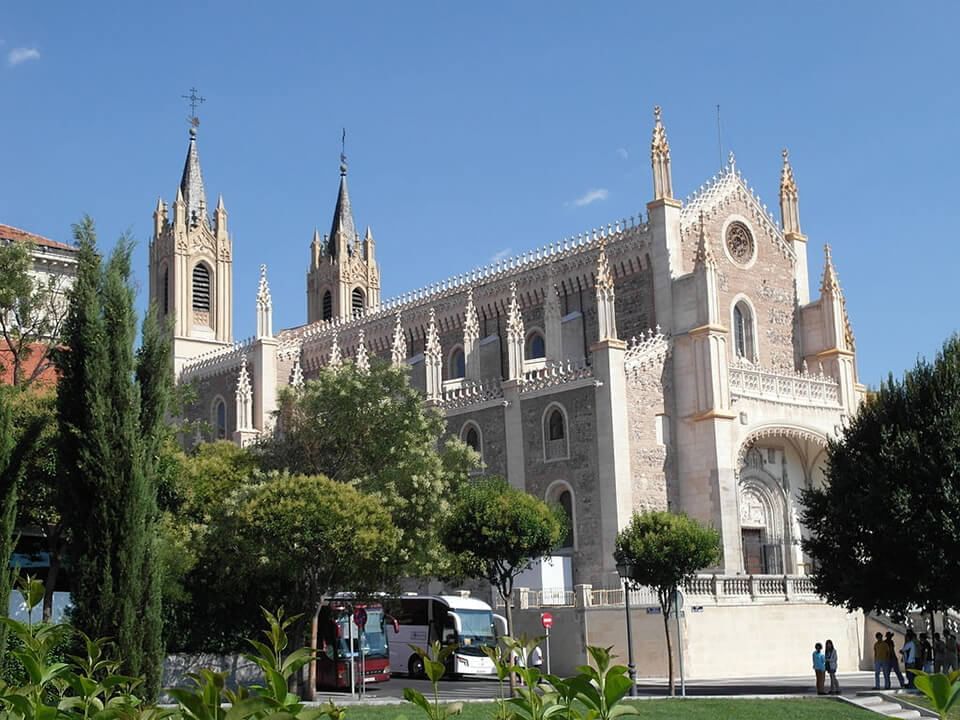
(703, 256)
(362, 360)
(398, 350)
(514, 318)
(606, 305)
(296, 374)
(315, 250)
(432, 360)
(471, 322)
(335, 358)
(244, 398)
(191, 185)
(220, 206)
(604, 278)
(660, 159)
(264, 306)
(830, 284)
(789, 207)
(343, 232)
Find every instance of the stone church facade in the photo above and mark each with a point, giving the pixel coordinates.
(671, 360)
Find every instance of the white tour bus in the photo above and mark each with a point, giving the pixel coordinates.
(464, 621)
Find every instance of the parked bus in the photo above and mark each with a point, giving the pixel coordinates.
(369, 651)
(464, 621)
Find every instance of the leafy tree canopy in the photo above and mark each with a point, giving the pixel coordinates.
(885, 527)
(371, 429)
(662, 550)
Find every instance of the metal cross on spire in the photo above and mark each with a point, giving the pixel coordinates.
(343, 152)
(195, 99)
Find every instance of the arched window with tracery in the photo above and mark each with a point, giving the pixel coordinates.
(743, 337)
(555, 441)
(327, 305)
(201, 288)
(536, 346)
(357, 302)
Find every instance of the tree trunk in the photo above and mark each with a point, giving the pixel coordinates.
(505, 593)
(311, 692)
(665, 611)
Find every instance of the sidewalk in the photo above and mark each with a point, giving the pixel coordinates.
(850, 684)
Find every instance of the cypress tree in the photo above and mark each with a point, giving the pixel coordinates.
(154, 361)
(112, 407)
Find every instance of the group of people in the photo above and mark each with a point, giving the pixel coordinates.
(918, 653)
(825, 663)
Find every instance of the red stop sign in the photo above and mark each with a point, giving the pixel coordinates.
(547, 620)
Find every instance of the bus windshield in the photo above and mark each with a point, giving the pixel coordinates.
(374, 637)
(476, 627)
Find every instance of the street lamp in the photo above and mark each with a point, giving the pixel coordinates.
(625, 571)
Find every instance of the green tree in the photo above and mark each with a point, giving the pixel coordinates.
(663, 550)
(307, 536)
(31, 314)
(497, 531)
(371, 429)
(16, 446)
(111, 406)
(884, 530)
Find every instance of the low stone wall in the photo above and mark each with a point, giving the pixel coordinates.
(720, 641)
(240, 671)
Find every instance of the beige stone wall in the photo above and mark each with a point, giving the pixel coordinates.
(719, 642)
(649, 435)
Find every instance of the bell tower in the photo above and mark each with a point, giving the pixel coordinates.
(343, 280)
(191, 265)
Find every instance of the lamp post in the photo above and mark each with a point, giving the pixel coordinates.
(625, 570)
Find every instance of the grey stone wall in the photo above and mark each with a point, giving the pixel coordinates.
(493, 437)
(579, 470)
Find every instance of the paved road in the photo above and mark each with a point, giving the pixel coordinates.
(486, 688)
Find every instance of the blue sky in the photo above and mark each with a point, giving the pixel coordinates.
(473, 129)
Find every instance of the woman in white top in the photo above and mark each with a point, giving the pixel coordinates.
(830, 655)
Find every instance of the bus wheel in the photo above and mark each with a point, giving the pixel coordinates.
(415, 667)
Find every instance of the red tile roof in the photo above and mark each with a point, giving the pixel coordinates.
(8, 232)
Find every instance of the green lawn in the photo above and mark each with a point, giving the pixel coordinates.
(692, 709)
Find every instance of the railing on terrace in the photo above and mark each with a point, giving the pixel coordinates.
(701, 590)
(555, 373)
(471, 392)
(792, 388)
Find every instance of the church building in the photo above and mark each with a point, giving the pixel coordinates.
(670, 360)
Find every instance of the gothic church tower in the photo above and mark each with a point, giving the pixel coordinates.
(343, 280)
(191, 266)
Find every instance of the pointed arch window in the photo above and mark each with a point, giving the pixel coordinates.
(555, 441)
(536, 346)
(220, 419)
(565, 500)
(471, 435)
(327, 305)
(166, 291)
(743, 340)
(457, 367)
(201, 288)
(357, 302)
(561, 493)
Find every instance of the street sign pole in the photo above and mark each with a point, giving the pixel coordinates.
(363, 664)
(678, 608)
(546, 619)
(353, 674)
(548, 650)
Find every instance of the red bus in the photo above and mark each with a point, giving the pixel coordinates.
(341, 643)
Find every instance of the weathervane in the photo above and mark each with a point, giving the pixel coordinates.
(194, 100)
(343, 152)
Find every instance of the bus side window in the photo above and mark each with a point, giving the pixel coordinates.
(449, 630)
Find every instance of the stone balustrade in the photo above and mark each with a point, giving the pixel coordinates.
(701, 590)
(470, 392)
(555, 373)
(784, 386)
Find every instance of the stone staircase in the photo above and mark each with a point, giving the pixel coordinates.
(888, 706)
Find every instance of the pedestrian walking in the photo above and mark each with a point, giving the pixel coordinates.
(894, 661)
(926, 654)
(939, 653)
(910, 653)
(882, 653)
(819, 668)
(831, 660)
(952, 651)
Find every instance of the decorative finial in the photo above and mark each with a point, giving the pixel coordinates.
(343, 152)
(194, 99)
(656, 114)
(786, 156)
(731, 162)
(660, 159)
